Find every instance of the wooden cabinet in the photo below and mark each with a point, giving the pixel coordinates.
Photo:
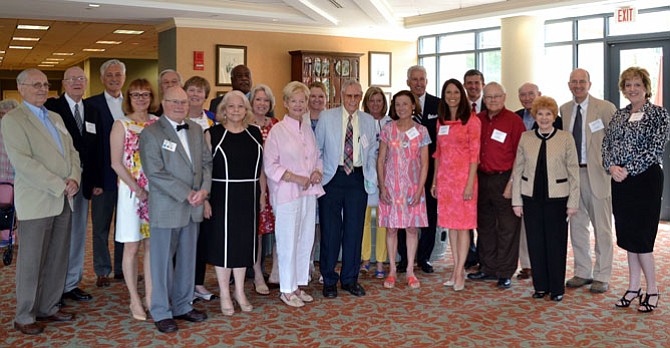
(331, 68)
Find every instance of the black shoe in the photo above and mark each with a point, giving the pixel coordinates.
(426, 267)
(118, 276)
(166, 325)
(402, 267)
(194, 316)
(330, 291)
(504, 283)
(78, 294)
(354, 288)
(557, 298)
(481, 276)
(539, 294)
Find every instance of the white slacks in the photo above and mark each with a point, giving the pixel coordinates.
(294, 233)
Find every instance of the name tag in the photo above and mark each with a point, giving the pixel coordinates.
(364, 141)
(412, 133)
(431, 116)
(596, 125)
(636, 117)
(61, 128)
(499, 136)
(135, 128)
(168, 145)
(90, 127)
(444, 130)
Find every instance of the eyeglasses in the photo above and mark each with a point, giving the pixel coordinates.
(75, 79)
(137, 95)
(179, 102)
(491, 97)
(38, 85)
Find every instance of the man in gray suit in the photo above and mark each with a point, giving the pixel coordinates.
(178, 165)
(587, 118)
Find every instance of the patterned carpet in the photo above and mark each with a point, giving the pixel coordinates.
(433, 316)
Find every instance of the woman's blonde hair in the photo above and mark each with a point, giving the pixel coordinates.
(220, 110)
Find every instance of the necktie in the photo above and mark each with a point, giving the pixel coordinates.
(577, 132)
(349, 147)
(77, 118)
(182, 126)
(474, 107)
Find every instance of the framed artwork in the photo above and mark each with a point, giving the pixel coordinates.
(389, 98)
(228, 57)
(379, 70)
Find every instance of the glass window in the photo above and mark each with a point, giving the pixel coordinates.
(489, 39)
(590, 29)
(427, 45)
(554, 82)
(592, 58)
(457, 42)
(431, 70)
(653, 22)
(558, 32)
(490, 65)
(455, 66)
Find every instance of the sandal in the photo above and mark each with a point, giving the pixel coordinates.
(262, 289)
(389, 283)
(625, 302)
(291, 300)
(380, 274)
(645, 306)
(365, 268)
(413, 282)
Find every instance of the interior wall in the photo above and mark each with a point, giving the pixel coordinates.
(270, 62)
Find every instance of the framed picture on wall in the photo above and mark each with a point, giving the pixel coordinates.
(228, 57)
(379, 69)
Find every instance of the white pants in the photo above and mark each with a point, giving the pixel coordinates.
(294, 233)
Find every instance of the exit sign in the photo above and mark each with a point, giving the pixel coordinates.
(625, 14)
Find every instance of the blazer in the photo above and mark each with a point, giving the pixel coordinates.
(87, 144)
(562, 167)
(172, 176)
(41, 170)
(104, 129)
(429, 120)
(329, 140)
(558, 122)
(598, 109)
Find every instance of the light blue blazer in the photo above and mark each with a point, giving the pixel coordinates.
(329, 139)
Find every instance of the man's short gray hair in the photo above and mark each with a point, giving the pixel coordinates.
(8, 104)
(494, 84)
(348, 83)
(414, 68)
(22, 76)
(109, 63)
(160, 76)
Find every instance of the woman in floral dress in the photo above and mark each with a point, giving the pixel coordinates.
(132, 215)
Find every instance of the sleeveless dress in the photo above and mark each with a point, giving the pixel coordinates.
(132, 215)
(230, 233)
(267, 218)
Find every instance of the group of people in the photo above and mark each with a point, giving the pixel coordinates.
(193, 187)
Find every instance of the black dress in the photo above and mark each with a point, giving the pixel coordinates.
(230, 233)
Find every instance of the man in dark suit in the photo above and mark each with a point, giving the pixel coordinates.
(107, 105)
(473, 81)
(240, 79)
(80, 120)
(417, 81)
(178, 165)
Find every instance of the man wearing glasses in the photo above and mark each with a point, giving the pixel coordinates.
(497, 226)
(80, 120)
(47, 179)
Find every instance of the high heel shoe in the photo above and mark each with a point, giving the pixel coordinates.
(645, 306)
(625, 302)
(245, 307)
(138, 313)
(459, 287)
(539, 294)
(227, 311)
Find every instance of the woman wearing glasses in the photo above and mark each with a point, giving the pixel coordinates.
(132, 215)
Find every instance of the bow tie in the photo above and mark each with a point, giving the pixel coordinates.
(182, 126)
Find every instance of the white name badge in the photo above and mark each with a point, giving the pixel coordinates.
(412, 133)
(364, 141)
(431, 116)
(499, 136)
(596, 125)
(636, 117)
(168, 145)
(61, 128)
(135, 128)
(444, 130)
(90, 127)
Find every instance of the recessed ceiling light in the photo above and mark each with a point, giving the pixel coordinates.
(93, 5)
(55, 59)
(63, 54)
(103, 42)
(45, 65)
(128, 32)
(32, 27)
(93, 50)
(19, 38)
(21, 47)
(2, 52)
(48, 62)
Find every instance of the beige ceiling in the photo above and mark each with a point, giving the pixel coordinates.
(74, 25)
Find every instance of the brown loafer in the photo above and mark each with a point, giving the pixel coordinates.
(102, 281)
(29, 329)
(58, 316)
(166, 325)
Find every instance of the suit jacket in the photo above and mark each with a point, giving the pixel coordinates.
(329, 140)
(87, 144)
(41, 170)
(558, 122)
(104, 129)
(598, 109)
(172, 176)
(429, 120)
(562, 167)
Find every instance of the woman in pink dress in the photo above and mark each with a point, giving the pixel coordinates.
(402, 168)
(455, 180)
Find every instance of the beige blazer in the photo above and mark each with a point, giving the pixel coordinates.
(562, 167)
(41, 170)
(598, 109)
